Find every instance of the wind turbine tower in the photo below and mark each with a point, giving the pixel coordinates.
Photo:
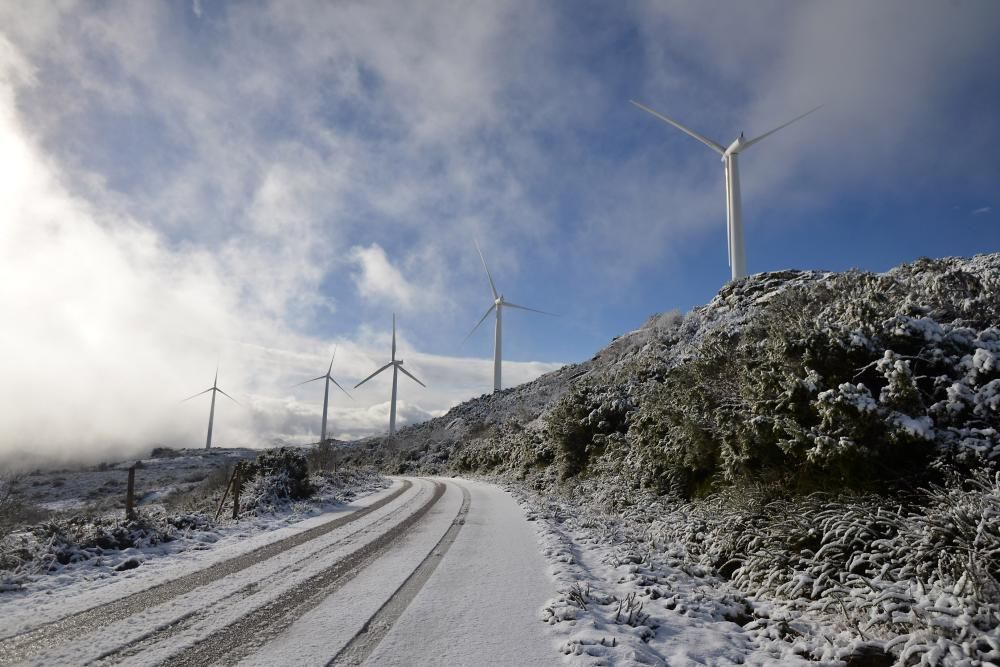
(499, 303)
(211, 412)
(734, 213)
(397, 367)
(326, 393)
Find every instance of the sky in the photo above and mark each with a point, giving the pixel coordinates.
(253, 185)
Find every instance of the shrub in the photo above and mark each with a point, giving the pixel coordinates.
(277, 476)
(323, 457)
(581, 423)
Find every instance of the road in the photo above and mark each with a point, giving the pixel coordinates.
(430, 572)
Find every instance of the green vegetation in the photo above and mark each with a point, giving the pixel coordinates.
(842, 382)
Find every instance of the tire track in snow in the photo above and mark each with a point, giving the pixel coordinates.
(170, 626)
(239, 639)
(23, 646)
(377, 627)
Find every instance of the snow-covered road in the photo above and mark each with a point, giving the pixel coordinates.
(428, 572)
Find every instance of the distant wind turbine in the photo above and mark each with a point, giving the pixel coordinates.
(326, 393)
(397, 366)
(211, 412)
(499, 303)
(734, 214)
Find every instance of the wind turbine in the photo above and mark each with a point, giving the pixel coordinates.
(211, 412)
(397, 366)
(734, 214)
(326, 393)
(499, 303)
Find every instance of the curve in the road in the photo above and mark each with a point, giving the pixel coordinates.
(363, 643)
(20, 647)
(233, 642)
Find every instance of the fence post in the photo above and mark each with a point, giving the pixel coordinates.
(226, 494)
(130, 494)
(236, 492)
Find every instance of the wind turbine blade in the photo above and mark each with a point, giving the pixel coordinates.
(228, 396)
(493, 286)
(373, 375)
(328, 370)
(198, 394)
(508, 304)
(780, 127)
(394, 336)
(691, 133)
(308, 381)
(478, 323)
(341, 388)
(412, 376)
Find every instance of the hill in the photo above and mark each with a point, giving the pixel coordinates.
(810, 379)
(824, 445)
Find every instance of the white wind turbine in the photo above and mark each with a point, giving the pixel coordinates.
(326, 393)
(734, 214)
(211, 412)
(397, 366)
(499, 303)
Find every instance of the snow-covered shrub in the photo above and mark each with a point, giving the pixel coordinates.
(510, 448)
(277, 474)
(48, 546)
(581, 423)
(927, 572)
(322, 457)
(919, 577)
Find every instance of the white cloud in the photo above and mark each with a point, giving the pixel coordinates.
(379, 280)
(108, 326)
(171, 195)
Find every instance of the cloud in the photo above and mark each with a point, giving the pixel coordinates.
(111, 324)
(379, 280)
(178, 192)
(982, 210)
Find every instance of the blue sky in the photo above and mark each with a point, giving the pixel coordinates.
(253, 183)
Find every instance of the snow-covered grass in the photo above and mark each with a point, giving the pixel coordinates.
(97, 541)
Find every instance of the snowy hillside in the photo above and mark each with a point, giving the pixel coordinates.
(823, 368)
(824, 444)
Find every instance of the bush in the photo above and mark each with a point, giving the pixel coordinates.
(277, 476)
(323, 457)
(581, 423)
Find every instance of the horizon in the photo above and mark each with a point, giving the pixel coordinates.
(248, 186)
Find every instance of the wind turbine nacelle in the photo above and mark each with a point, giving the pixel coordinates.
(735, 146)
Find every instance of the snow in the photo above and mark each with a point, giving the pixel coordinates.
(79, 588)
(317, 636)
(221, 602)
(984, 361)
(921, 427)
(483, 605)
(616, 607)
